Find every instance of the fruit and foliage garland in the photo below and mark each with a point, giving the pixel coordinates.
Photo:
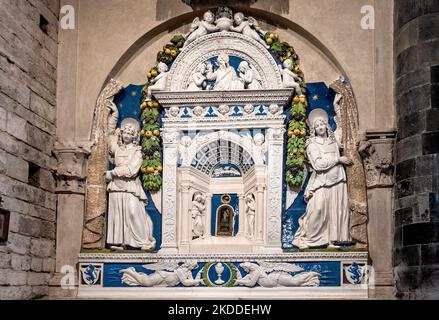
(151, 146)
(295, 160)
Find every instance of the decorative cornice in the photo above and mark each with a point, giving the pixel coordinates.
(235, 97)
(153, 257)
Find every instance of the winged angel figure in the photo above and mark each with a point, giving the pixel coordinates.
(167, 274)
(249, 27)
(201, 28)
(270, 275)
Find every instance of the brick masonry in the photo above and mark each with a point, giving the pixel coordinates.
(28, 62)
(416, 254)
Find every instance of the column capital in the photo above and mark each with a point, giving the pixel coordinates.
(71, 170)
(376, 149)
(170, 136)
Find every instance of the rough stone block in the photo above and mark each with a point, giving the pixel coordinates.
(5, 260)
(16, 126)
(46, 180)
(408, 256)
(404, 188)
(39, 292)
(37, 278)
(420, 233)
(43, 108)
(432, 120)
(411, 124)
(413, 79)
(405, 169)
(428, 53)
(43, 213)
(18, 243)
(3, 115)
(407, 36)
(49, 265)
(435, 96)
(430, 254)
(16, 278)
(429, 27)
(15, 167)
(15, 293)
(430, 143)
(407, 278)
(423, 184)
(36, 264)
(433, 202)
(409, 148)
(47, 230)
(42, 247)
(407, 61)
(406, 10)
(403, 216)
(40, 139)
(416, 99)
(20, 262)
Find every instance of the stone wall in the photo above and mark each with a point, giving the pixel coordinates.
(28, 63)
(416, 255)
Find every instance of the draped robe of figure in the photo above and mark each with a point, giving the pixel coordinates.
(327, 214)
(128, 222)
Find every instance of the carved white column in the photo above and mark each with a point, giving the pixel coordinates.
(242, 216)
(260, 205)
(184, 218)
(275, 140)
(169, 215)
(208, 215)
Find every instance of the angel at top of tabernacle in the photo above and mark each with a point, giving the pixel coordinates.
(249, 28)
(201, 28)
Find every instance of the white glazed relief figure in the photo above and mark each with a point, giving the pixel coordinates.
(289, 78)
(270, 275)
(197, 80)
(249, 28)
(197, 213)
(165, 275)
(326, 220)
(159, 82)
(250, 215)
(225, 75)
(128, 222)
(201, 28)
(249, 76)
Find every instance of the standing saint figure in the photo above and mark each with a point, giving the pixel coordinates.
(326, 220)
(128, 222)
(250, 212)
(197, 212)
(225, 76)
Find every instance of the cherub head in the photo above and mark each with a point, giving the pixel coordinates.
(209, 16)
(288, 63)
(243, 66)
(129, 131)
(239, 18)
(162, 67)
